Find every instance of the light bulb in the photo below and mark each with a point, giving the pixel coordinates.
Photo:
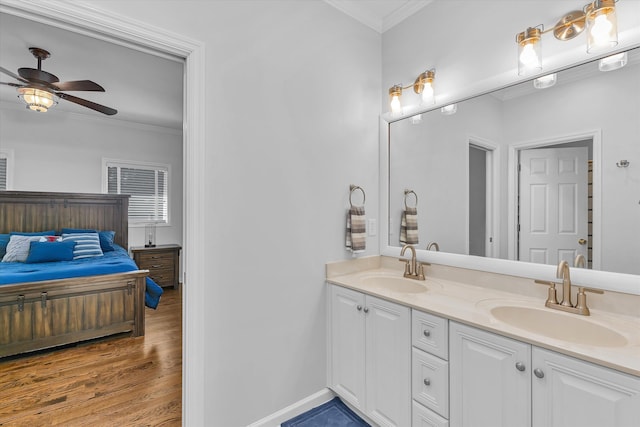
(396, 106)
(427, 94)
(528, 56)
(601, 30)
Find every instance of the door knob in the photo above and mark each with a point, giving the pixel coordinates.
(582, 241)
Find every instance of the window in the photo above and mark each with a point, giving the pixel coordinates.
(6, 159)
(146, 184)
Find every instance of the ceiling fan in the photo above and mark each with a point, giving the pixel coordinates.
(41, 90)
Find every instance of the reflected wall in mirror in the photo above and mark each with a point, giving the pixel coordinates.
(537, 175)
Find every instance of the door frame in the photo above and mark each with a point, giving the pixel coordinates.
(119, 29)
(492, 224)
(512, 191)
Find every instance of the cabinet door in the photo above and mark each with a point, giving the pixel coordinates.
(490, 381)
(347, 345)
(388, 362)
(574, 392)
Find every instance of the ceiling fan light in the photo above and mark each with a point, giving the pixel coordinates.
(37, 99)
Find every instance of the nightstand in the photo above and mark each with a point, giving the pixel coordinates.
(162, 261)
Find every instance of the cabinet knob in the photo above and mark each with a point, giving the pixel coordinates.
(426, 333)
(359, 307)
(427, 381)
(538, 373)
(520, 366)
(366, 309)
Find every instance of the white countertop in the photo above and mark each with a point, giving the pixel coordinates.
(471, 305)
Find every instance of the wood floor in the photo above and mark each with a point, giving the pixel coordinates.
(118, 381)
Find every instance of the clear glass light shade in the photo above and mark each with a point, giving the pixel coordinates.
(427, 96)
(416, 119)
(450, 109)
(36, 99)
(613, 62)
(529, 51)
(602, 25)
(545, 81)
(394, 100)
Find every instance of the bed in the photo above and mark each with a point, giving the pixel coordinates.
(42, 307)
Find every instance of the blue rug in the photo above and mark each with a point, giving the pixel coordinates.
(334, 413)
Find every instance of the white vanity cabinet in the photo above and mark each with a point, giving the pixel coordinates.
(370, 355)
(498, 381)
(429, 370)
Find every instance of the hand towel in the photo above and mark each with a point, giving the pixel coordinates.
(409, 227)
(356, 230)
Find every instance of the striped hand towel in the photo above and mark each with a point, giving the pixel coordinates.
(409, 227)
(356, 230)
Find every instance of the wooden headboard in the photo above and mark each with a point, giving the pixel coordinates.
(30, 211)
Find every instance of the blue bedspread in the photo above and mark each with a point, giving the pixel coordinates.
(117, 261)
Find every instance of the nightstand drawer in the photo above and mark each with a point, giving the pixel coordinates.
(162, 261)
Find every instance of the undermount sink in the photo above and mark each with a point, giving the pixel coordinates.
(396, 284)
(560, 326)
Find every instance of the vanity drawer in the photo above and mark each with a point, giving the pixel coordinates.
(423, 417)
(430, 333)
(430, 381)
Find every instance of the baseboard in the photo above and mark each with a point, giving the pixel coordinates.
(301, 406)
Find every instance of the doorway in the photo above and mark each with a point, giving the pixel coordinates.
(483, 198)
(554, 195)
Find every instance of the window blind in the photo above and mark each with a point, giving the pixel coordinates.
(3, 173)
(147, 188)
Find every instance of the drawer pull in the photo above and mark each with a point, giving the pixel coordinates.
(520, 366)
(156, 266)
(427, 382)
(427, 333)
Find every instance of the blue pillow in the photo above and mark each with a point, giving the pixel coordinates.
(4, 241)
(106, 240)
(87, 244)
(50, 251)
(37, 233)
(106, 237)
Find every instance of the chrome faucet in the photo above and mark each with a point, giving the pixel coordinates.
(566, 305)
(433, 245)
(412, 269)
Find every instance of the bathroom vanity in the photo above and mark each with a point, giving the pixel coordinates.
(467, 348)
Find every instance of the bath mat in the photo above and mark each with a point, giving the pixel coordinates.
(334, 413)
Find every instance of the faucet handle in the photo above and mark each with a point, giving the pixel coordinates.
(581, 305)
(420, 272)
(407, 266)
(551, 296)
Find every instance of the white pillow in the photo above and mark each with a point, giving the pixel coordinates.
(18, 248)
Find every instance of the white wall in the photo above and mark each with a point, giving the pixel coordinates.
(293, 91)
(63, 152)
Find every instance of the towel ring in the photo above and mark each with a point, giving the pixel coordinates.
(353, 188)
(406, 196)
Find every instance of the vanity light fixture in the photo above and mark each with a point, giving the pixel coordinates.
(613, 62)
(37, 99)
(599, 19)
(450, 109)
(545, 81)
(423, 86)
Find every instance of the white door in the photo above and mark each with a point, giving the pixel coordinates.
(570, 392)
(553, 204)
(490, 379)
(388, 362)
(347, 345)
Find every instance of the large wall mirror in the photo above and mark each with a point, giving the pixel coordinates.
(527, 174)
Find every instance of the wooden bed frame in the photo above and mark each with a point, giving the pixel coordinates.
(39, 315)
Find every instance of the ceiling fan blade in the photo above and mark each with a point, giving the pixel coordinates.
(15, 76)
(11, 84)
(38, 75)
(100, 108)
(87, 85)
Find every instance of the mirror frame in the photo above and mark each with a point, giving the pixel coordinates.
(605, 280)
